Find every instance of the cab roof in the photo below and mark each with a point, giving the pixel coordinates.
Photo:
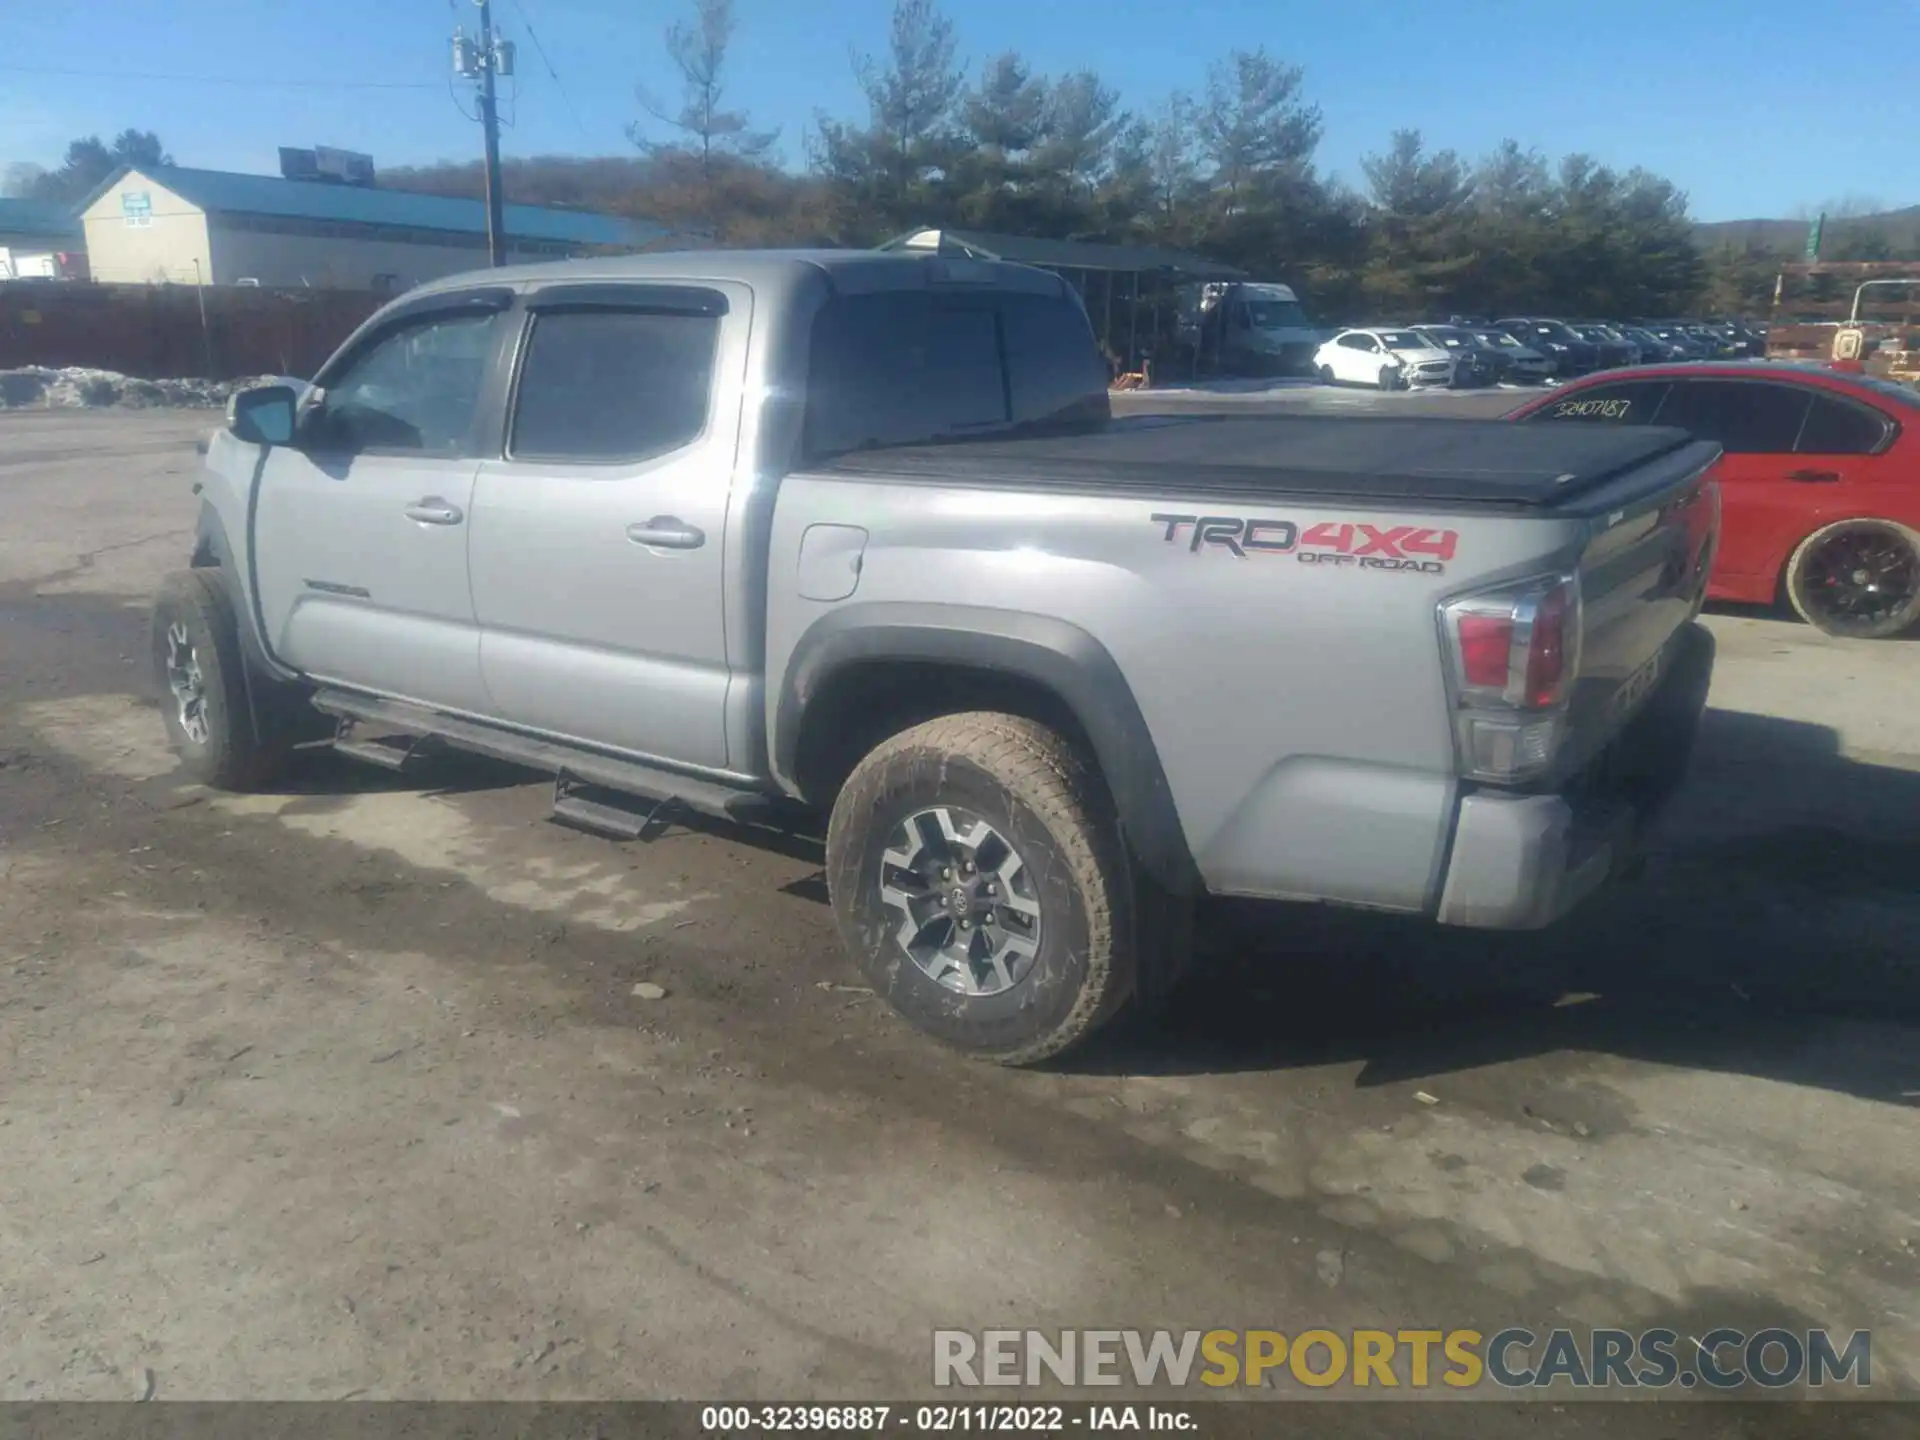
(773, 270)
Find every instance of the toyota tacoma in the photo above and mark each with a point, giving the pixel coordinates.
(790, 536)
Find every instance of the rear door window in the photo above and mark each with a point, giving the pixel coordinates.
(1054, 369)
(601, 385)
(906, 367)
(1840, 427)
(1745, 417)
(1633, 402)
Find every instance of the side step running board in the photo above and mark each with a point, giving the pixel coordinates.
(610, 778)
(602, 811)
(389, 752)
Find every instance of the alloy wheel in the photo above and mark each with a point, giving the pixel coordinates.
(187, 684)
(969, 915)
(1858, 578)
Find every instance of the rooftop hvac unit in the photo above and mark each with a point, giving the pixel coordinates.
(298, 164)
(346, 167)
(335, 167)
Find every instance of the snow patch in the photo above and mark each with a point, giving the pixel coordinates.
(80, 387)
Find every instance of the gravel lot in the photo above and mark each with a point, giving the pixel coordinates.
(344, 1090)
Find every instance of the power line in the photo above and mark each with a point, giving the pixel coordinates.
(454, 95)
(225, 79)
(541, 51)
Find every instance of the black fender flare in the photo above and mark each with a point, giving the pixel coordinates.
(212, 550)
(1053, 654)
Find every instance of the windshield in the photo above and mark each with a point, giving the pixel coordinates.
(1554, 330)
(1500, 338)
(1403, 340)
(1445, 335)
(1276, 315)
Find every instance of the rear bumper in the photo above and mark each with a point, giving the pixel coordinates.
(1520, 862)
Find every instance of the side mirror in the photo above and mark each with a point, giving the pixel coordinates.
(262, 415)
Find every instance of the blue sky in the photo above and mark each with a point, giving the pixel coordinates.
(1735, 102)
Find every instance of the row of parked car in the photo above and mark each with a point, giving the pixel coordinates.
(1534, 350)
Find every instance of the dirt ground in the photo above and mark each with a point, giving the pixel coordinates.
(344, 1090)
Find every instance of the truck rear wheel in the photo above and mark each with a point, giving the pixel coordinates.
(203, 694)
(981, 883)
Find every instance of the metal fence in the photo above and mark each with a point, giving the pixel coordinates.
(160, 332)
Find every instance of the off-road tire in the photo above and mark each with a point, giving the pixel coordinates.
(1796, 583)
(232, 756)
(1044, 796)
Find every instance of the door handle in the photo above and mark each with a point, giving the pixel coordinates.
(668, 533)
(432, 510)
(1814, 477)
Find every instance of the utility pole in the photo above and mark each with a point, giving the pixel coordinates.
(482, 61)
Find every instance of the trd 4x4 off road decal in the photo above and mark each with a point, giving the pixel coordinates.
(1415, 548)
(1232, 533)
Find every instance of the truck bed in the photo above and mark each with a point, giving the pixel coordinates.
(1479, 463)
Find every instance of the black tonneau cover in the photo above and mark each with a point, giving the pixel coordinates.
(1473, 462)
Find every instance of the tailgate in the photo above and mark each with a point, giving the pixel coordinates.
(1643, 576)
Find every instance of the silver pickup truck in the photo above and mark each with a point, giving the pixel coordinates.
(776, 537)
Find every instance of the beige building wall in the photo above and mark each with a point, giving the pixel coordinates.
(140, 233)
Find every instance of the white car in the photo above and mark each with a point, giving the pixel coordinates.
(1387, 359)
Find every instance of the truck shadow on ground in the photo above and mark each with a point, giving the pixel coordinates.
(320, 777)
(1784, 893)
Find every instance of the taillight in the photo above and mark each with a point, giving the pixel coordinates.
(1486, 649)
(1514, 653)
(1548, 641)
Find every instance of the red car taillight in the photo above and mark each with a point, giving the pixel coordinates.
(1513, 653)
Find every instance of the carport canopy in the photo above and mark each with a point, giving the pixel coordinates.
(1078, 261)
(1085, 255)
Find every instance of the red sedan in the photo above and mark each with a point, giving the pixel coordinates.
(1819, 485)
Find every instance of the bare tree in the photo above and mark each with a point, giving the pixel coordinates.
(1843, 207)
(708, 130)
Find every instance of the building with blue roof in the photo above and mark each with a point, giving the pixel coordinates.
(171, 224)
(34, 235)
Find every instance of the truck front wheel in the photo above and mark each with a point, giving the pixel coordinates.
(980, 881)
(197, 661)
